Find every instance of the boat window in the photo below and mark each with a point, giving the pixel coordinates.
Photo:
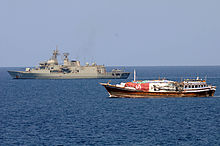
(201, 85)
(185, 86)
(189, 86)
(124, 74)
(196, 86)
(192, 86)
(117, 74)
(113, 74)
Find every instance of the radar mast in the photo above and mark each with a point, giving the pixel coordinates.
(53, 59)
(65, 56)
(55, 53)
(66, 60)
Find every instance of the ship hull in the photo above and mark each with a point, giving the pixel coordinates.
(122, 92)
(30, 75)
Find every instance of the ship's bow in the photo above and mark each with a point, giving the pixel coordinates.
(14, 74)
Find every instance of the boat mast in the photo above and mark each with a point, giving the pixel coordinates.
(53, 59)
(134, 75)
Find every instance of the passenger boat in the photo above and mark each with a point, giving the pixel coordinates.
(161, 88)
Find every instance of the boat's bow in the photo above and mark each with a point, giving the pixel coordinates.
(15, 74)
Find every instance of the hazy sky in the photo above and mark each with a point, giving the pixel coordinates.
(111, 32)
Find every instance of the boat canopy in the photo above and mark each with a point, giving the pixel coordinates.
(153, 81)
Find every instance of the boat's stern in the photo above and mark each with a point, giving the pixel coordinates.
(119, 74)
(212, 90)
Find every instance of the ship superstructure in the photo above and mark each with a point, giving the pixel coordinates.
(70, 69)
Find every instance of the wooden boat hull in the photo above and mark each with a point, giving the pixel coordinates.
(127, 93)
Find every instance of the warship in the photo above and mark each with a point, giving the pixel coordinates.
(161, 88)
(68, 70)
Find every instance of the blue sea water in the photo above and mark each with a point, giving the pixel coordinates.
(79, 112)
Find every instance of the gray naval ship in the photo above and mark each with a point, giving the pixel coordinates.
(68, 70)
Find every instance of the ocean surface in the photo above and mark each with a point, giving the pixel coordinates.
(79, 112)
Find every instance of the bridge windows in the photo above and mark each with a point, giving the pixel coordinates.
(195, 86)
